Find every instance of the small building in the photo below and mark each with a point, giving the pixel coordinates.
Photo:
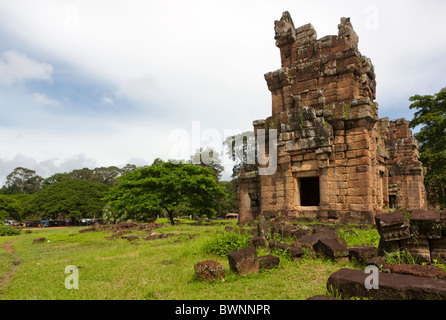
(231, 216)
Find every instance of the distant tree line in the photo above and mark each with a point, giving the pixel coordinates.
(170, 188)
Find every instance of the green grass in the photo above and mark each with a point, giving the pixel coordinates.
(149, 269)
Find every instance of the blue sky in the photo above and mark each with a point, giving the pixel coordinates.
(99, 83)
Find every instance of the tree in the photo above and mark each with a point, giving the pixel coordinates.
(167, 186)
(9, 207)
(128, 168)
(58, 177)
(431, 115)
(106, 175)
(229, 203)
(84, 173)
(23, 180)
(73, 199)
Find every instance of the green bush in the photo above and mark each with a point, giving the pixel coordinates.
(8, 231)
(226, 242)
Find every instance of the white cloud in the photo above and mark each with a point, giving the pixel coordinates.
(107, 100)
(17, 67)
(45, 168)
(41, 98)
(139, 88)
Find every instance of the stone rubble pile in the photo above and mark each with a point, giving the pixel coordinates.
(422, 236)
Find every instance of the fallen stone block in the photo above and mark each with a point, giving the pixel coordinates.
(427, 271)
(425, 224)
(292, 251)
(258, 242)
(38, 240)
(244, 261)
(276, 245)
(209, 270)
(297, 234)
(377, 262)
(362, 254)
(313, 239)
(330, 232)
(392, 226)
(295, 253)
(350, 283)
(418, 249)
(268, 262)
(438, 250)
(130, 238)
(388, 247)
(331, 248)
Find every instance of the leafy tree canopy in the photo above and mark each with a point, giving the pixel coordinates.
(9, 207)
(431, 116)
(22, 180)
(167, 186)
(73, 199)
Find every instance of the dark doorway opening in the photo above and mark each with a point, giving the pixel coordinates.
(309, 191)
(255, 200)
(392, 201)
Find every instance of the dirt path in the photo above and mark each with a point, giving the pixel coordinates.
(6, 278)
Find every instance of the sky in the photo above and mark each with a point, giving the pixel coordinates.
(101, 83)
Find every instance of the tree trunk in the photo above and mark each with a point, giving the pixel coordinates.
(170, 214)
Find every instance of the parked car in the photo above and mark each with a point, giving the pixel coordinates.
(10, 222)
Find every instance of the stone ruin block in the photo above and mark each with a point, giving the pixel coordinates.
(262, 227)
(350, 283)
(244, 261)
(292, 251)
(326, 231)
(38, 240)
(268, 262)
(418, 248)
(425, 224)
(258, 242)
(313, 239)
(130, 238)
(209, 270)
(362, 254)
(392, 226)
(388, 246)
(331, 248)
(297, 234)
(438, 249)
(426, 271)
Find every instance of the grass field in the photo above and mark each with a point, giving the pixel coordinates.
(148, 269)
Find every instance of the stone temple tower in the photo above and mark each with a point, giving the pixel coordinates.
(336, 160)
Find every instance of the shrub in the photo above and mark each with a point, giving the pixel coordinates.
(8, 231)
(226, 242)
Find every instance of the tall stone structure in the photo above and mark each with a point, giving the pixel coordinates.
(336, 160)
